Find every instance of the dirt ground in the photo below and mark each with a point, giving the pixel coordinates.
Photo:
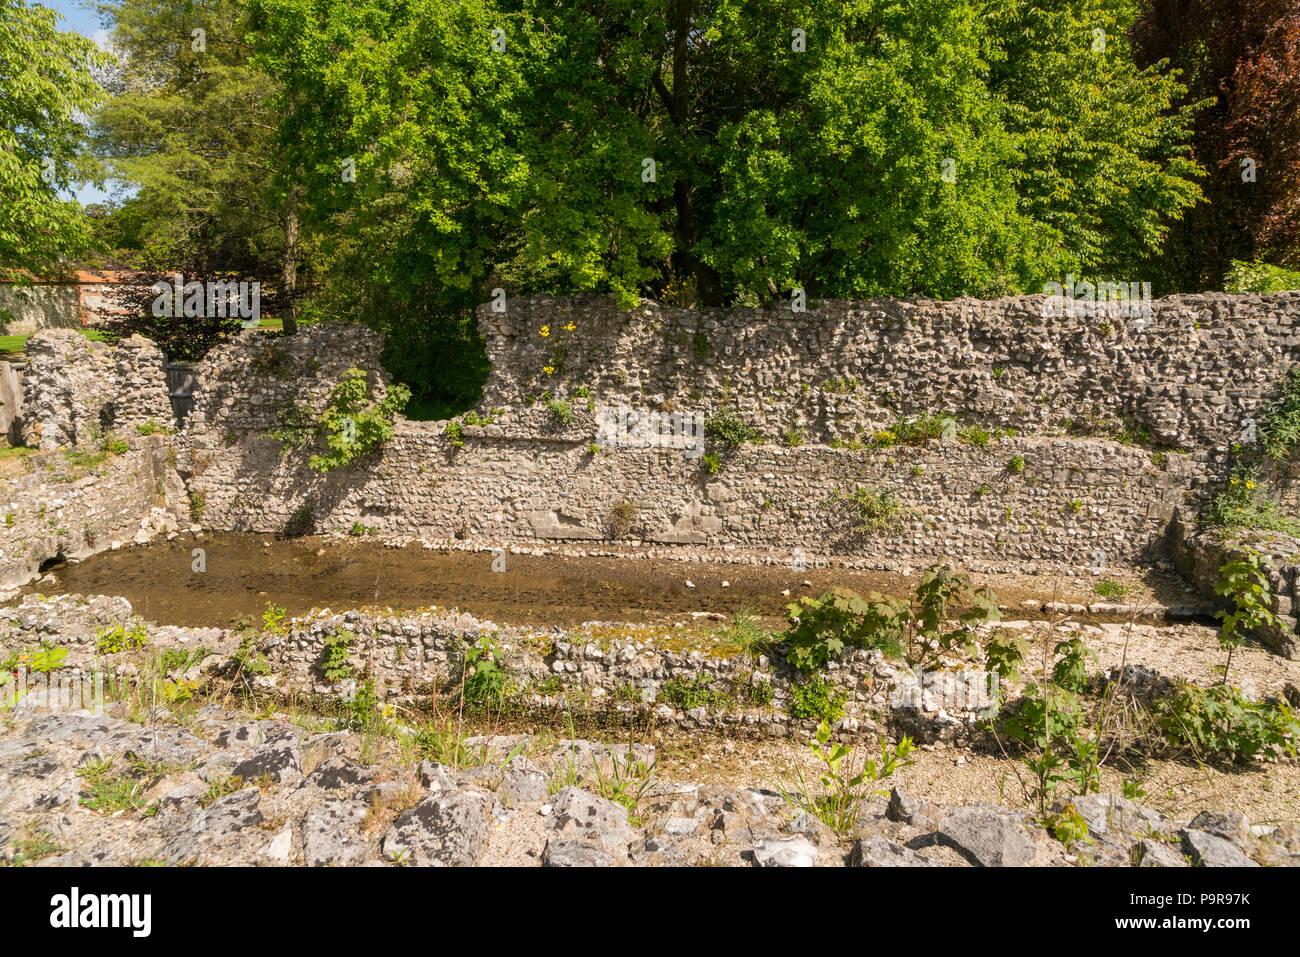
(245, 571)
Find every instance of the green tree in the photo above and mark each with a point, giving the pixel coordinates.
(46, 83)
(190, 124)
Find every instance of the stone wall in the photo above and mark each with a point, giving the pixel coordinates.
(1073, 498)
(71, 505)
(1187, 374)
(39, 306)
(1037, 491)
(75, 388)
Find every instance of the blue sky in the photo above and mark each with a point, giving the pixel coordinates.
(81, 19)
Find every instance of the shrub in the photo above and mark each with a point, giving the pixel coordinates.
(1259, 277)
(822, 628)
(1221, 722)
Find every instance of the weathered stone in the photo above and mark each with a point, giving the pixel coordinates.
(987, 836)
(879, 852)
(447, 829)
(562, 853)
(790, 852)
(1152, 853)
(331, 833)
(1209, 850)
(277, 759)
(576, 813)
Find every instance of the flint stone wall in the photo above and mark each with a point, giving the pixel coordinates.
(1198, 553)
(56, 511)
(74, 388)
(409, 658)
(1188, 374)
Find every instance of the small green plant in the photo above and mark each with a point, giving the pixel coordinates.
(711, 463)
(1069, 826)
(593, 449)
(453, 433)
(1132, 790)
(1016, 465)
(105, 792)
(874, 509)
(561, 410)
(300, 522)
(816, 697)
(626, 784)
(700, 346)
(794, 436)
(975, 436)
(9, 519)
(273, 621)
(335, 655)
(358, 529)
(1110, 589)
(759, 692)
(119, 638)
(727, 428)
(745, 631)
(197, 501)
(220, 787)
(248, 657)
(691, 693)
(621, 517)
(1244, 580)
(845, 785)
(482, 681)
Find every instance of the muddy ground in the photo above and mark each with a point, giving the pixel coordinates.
(246, 570)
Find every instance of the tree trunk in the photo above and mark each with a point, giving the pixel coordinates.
(708, 284)
(289, 278)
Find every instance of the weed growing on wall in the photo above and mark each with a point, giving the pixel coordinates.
(350, 425)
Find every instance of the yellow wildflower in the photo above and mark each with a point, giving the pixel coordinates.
(548, 369)
(570, 327)
(544, 331)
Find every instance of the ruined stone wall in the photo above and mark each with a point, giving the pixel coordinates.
(74, 388)
(71, 505)
(1187, 373)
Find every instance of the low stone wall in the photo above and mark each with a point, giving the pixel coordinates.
(1198, 553)
(71, 506)
(75, 388)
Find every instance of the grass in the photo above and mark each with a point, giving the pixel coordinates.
(11, 345)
